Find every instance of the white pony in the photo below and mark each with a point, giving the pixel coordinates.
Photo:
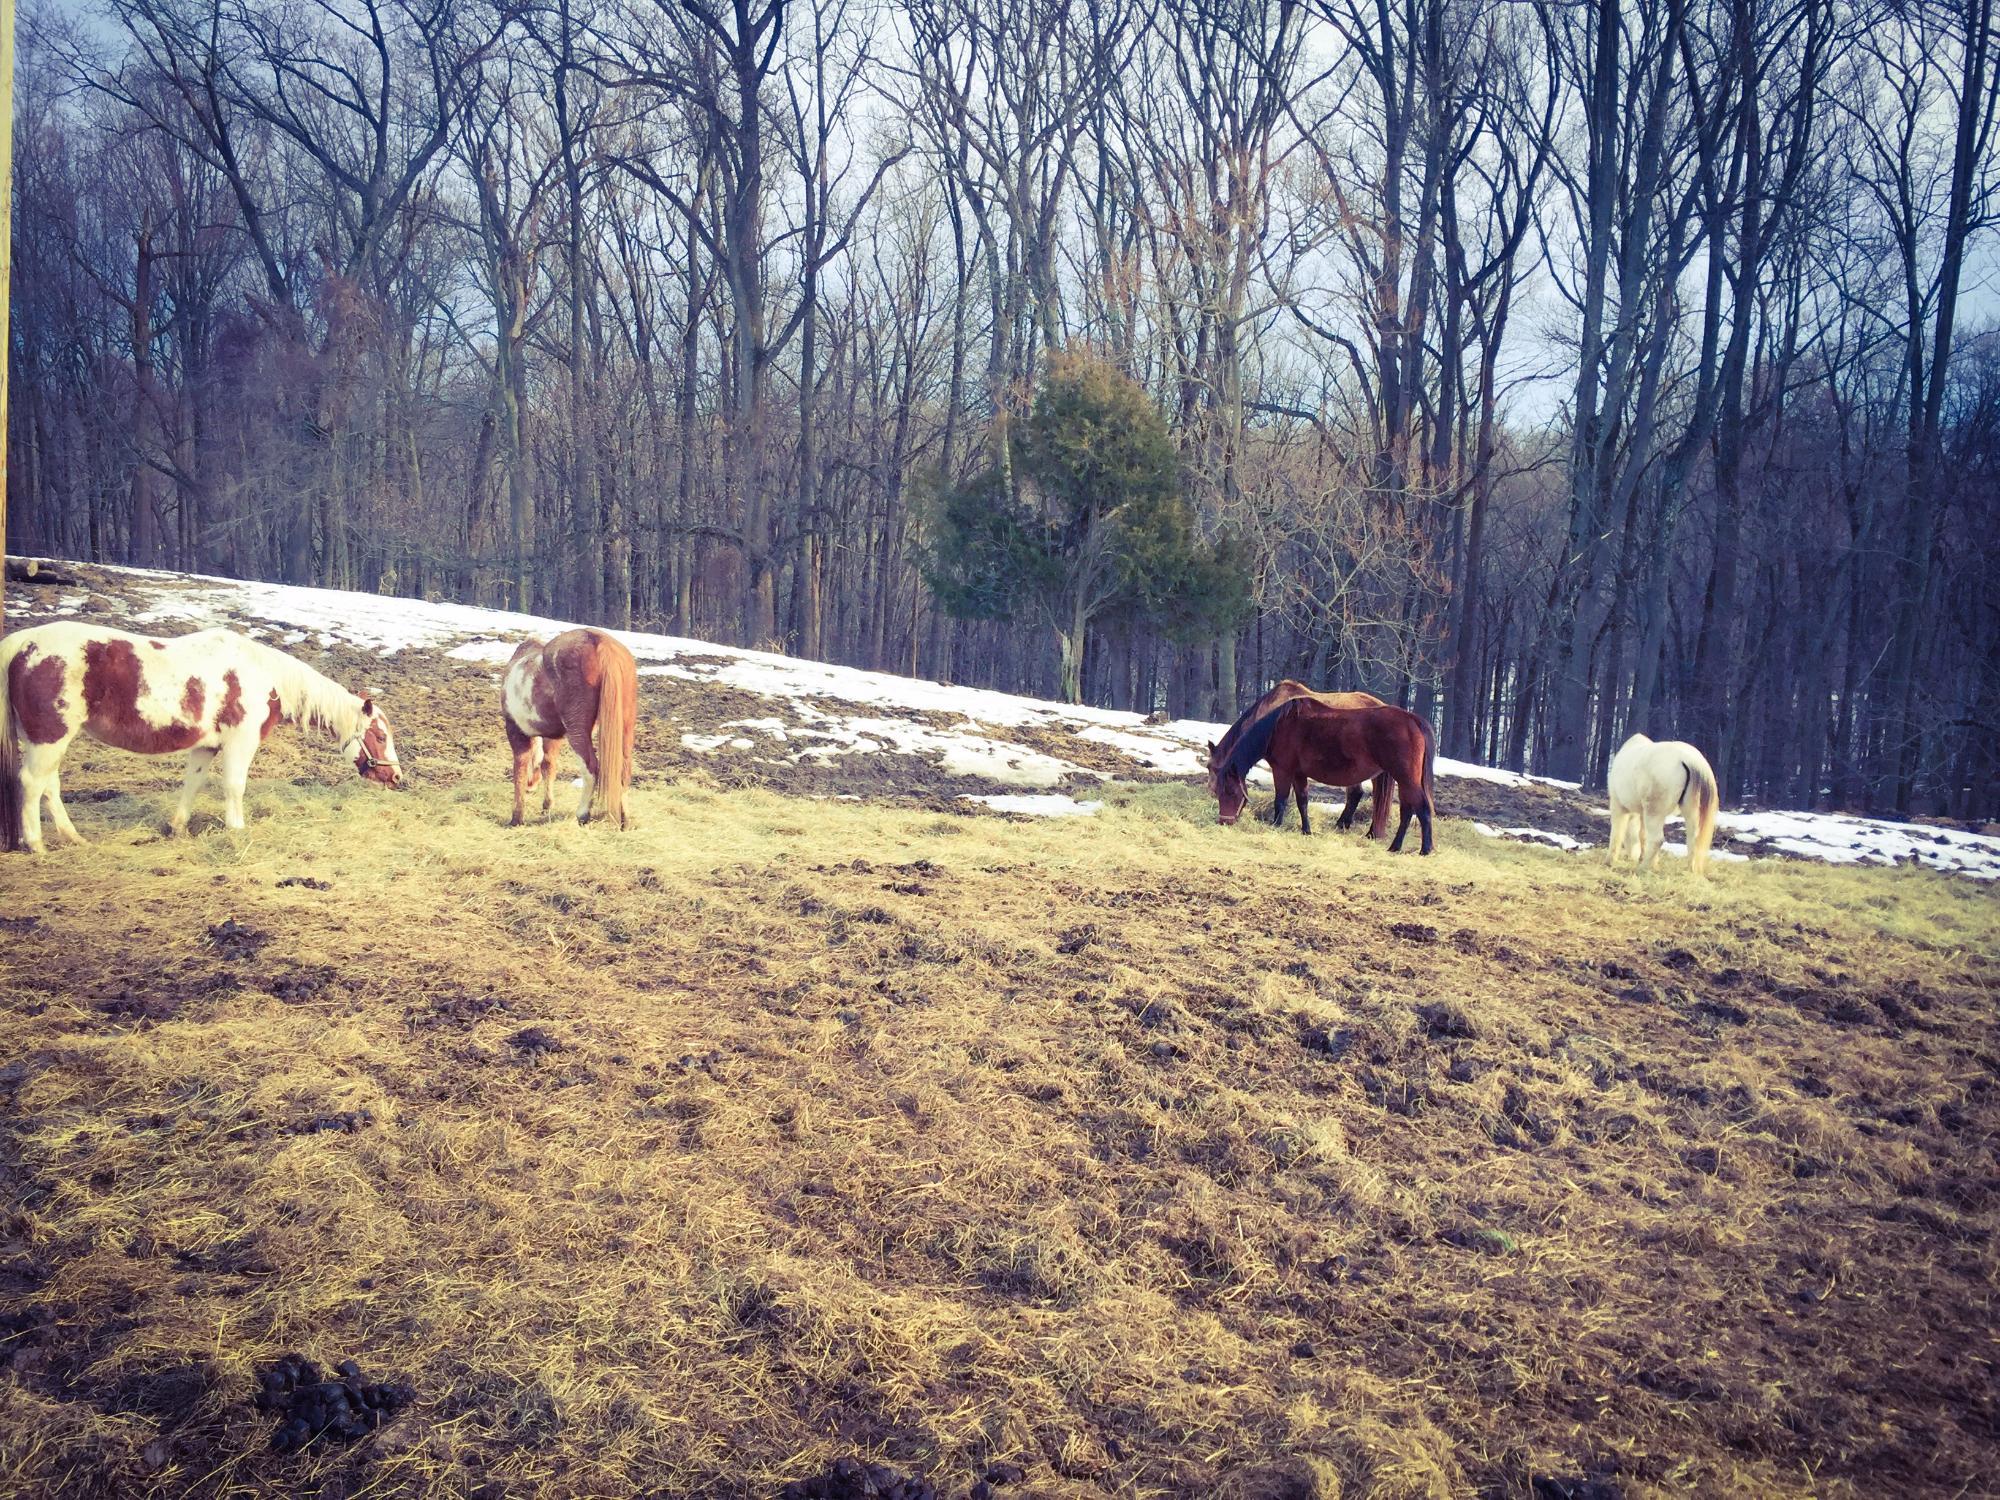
(1647, 781)
(215, 694)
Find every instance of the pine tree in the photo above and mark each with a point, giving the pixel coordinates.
(1098, 523)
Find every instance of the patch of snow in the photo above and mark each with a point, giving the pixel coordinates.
(491, 653)
(1046, 805)
(706, 743)
(1149, 750)
(1841, 838)
(1540, 835)
(1465, 770)
(1679, 851)
(1537, 835)
(963, 750)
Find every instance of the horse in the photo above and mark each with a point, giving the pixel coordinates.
(1305, 740)
(215, 694)
(1284, 692)
(562, 689)
(1646, 781)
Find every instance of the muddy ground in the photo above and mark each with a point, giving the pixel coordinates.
(1127, 1156)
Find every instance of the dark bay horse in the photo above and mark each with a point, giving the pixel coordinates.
(1284, 692)
(1305, 740)
(581, 680)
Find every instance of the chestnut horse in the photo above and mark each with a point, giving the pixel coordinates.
(1306, 740)
(583, 679)
(1284, 692)
(215, 694)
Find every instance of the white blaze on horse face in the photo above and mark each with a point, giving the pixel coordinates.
(393, 761)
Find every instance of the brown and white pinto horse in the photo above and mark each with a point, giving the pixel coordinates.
(1305, 740)
(583, 679)
(215, 694)
(1285, 692)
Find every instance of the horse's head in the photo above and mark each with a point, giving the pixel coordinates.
(1231, 791)
(373, 748)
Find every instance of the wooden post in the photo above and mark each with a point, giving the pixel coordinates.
(6, 269)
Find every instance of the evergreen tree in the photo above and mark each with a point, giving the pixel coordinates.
(1097, 523)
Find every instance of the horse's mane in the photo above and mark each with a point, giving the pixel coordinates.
(1255, 711)
(308, 698)
(1256, 740)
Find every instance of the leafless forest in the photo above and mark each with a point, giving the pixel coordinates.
(1558, 369)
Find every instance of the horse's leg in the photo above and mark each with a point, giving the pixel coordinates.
(232, 764)
(1408, 799)
(1284, 792)
(1424, 817)
(579, 714)
(198, 763)
(523, 748)
(1299, 789)
(1617, 836)
(551, 753)
(38, 769)
(1656, 838)
(60, 813)
(1378, 815)
(1346, 820)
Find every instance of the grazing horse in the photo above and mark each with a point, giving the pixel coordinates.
(1648, 780)
(1305, 740)
(580, 680)
(1284, 692)
(215, 694)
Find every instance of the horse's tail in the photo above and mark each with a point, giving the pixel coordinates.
(1430, 760)
(10, 757)
(1701, 822)
(617, 705)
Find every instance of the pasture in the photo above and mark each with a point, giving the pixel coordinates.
(810, 1118)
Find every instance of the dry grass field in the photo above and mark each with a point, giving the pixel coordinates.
(1157, 1158)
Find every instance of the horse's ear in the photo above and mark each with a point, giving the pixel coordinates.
(367, 704)
(1211, 747)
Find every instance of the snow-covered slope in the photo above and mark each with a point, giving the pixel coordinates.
(820, 714)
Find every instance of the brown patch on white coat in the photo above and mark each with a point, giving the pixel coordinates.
(185, 694)
(580, 681)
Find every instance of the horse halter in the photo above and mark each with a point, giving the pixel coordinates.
(356, 747)
(369, 762)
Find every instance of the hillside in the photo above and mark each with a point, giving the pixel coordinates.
(747, 718)
(832, 1112)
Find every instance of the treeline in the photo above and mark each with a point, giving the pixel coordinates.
(1556, 369)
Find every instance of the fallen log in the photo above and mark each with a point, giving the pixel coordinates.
(33, 570)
